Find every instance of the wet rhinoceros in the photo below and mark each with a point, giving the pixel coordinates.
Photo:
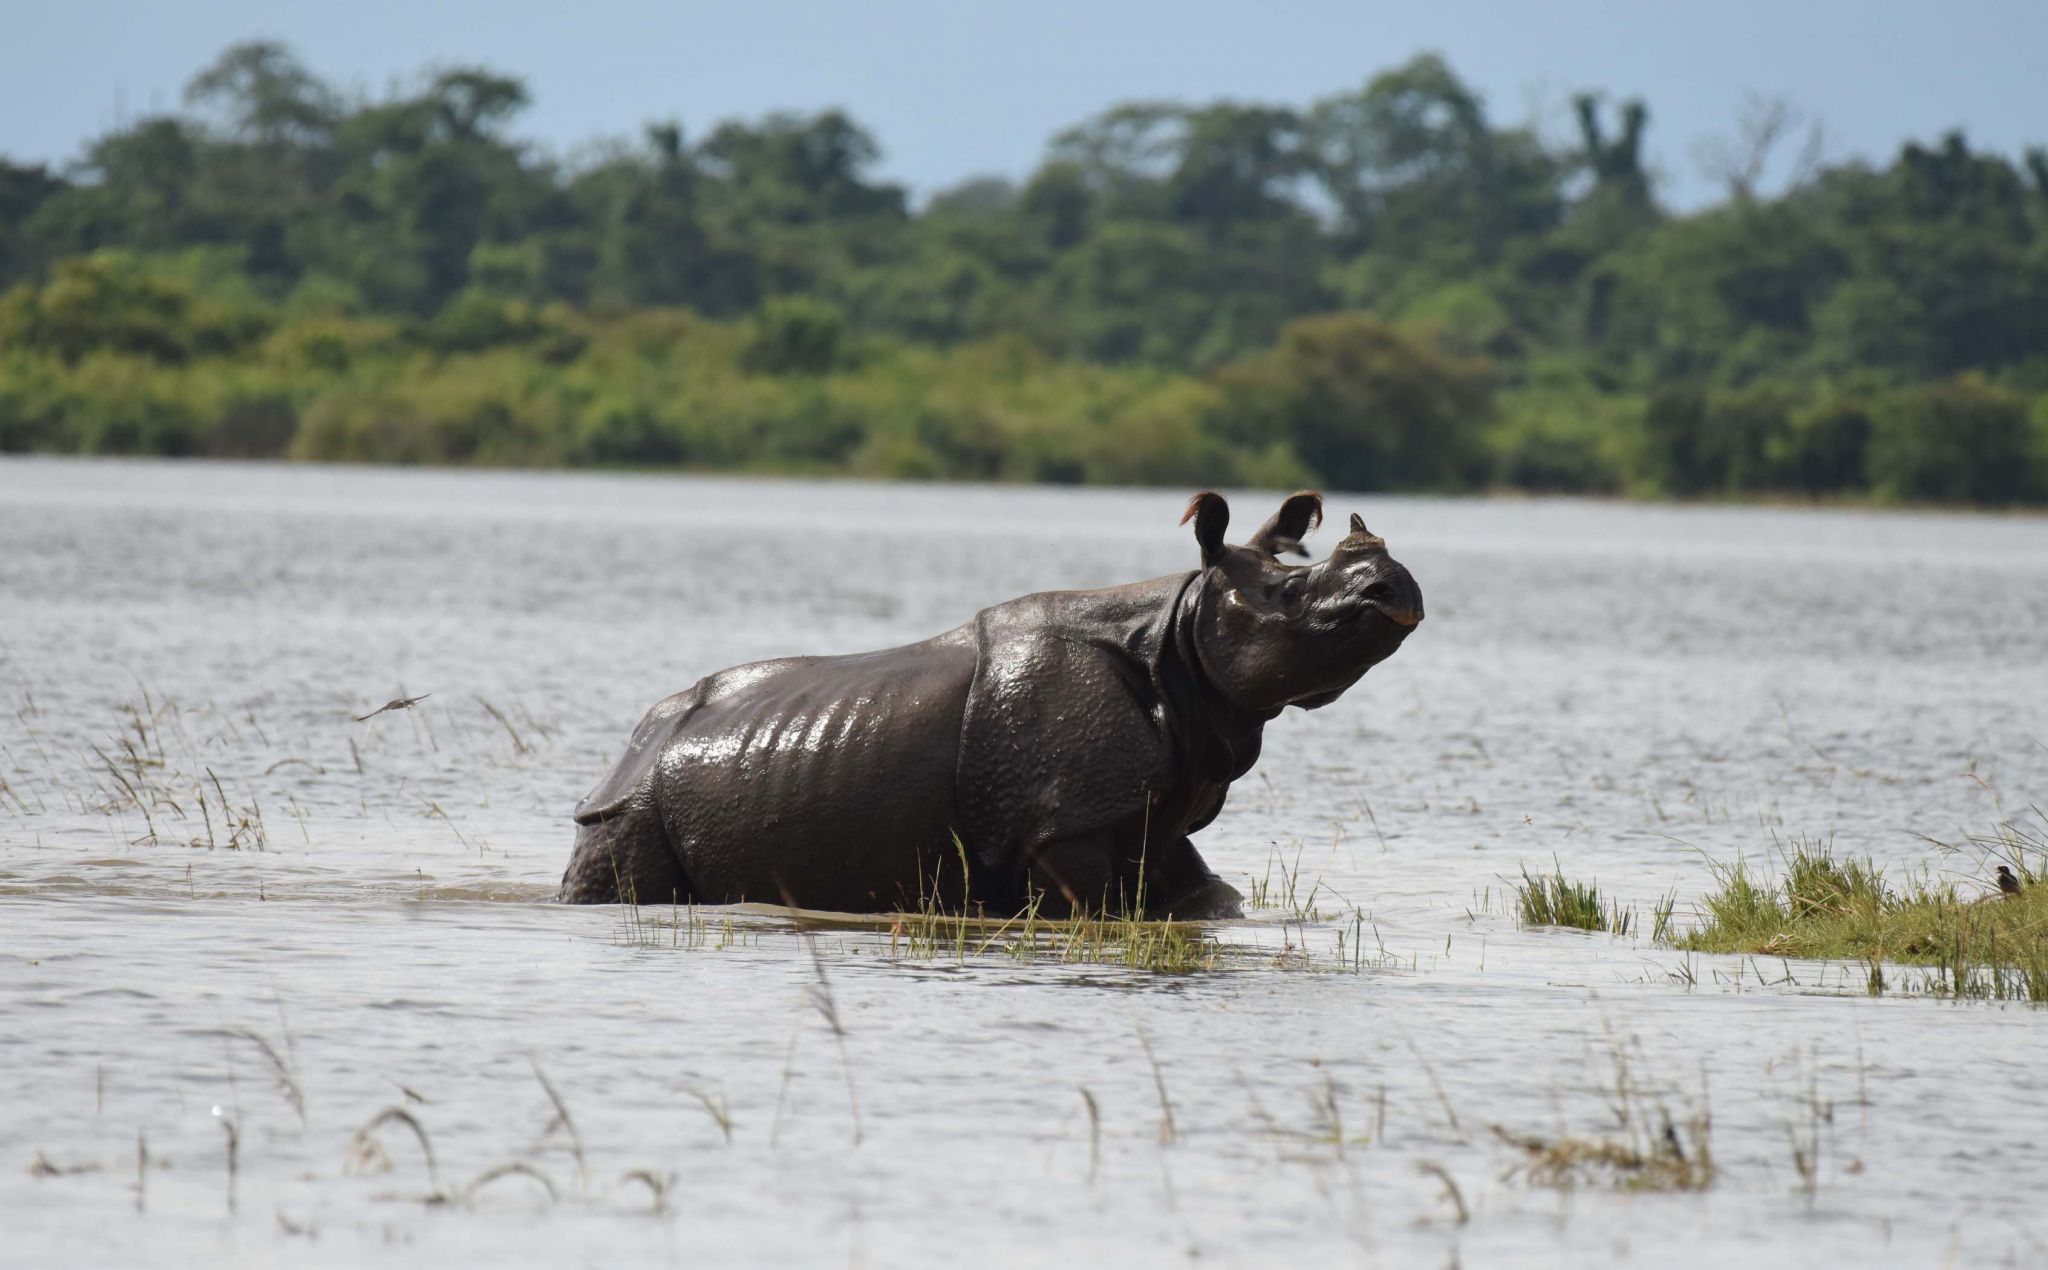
(1059, 747)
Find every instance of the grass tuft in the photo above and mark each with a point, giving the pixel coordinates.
(1646, 1149)
(1558, 901)
(1977, 941)
(1677, 1159)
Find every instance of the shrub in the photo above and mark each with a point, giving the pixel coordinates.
(797, 335)
(1567, 442)
(253, 426)
(1826, 448)
(477, 320)
(626, 432)
(31, 414)
(332, 344)
(1365, 406)
(109, 302)
(114, 404)
(1959, 441)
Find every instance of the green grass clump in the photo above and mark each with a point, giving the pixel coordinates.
(1165, 947)
(1558, 901)
(1824, 908)
(932, 932)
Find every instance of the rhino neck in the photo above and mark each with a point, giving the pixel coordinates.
(1219, 734)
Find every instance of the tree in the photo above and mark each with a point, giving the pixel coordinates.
(1761, 123)
(1620, 202)
(1123, 156)
(1728, 295)
(975, 198)
(471, 104)
(1948, 270)
(1412, 164)
(266, 96)
(1130, 291)
(133, 188)
(654, 248)
(800, 168)
(426, 179)
(23, 189)
(1416, 127)
(1058, 204)
(1235, 165)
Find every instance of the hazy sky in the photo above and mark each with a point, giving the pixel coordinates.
(963, 88)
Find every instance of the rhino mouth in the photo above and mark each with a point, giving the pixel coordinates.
(1403, 617)
(1401, 605)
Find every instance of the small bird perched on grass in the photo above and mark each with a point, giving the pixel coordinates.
(398, 703)
(2007, 882)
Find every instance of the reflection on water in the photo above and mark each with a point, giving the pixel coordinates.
(1626, 689)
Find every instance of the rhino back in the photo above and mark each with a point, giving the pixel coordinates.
(827, 781)
(626, 783)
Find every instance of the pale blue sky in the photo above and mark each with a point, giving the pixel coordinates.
(963, 88)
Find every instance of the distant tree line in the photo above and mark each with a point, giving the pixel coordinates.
(1386, 290)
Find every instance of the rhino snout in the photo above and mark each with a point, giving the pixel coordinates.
(1396, 596)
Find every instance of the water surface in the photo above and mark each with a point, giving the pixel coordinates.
(1631, 691)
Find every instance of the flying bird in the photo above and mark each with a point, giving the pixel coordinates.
(398, 703)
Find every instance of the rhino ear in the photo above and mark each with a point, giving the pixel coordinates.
(1296, 519)
(1211, 516)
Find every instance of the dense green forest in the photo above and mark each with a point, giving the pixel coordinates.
(1387, 289)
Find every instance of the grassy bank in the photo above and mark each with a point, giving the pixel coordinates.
(1979, 938)
(1983, 935)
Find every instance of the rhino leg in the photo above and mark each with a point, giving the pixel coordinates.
(1094, 873)
(624, 857)
(1075, 874)
(1212, 901)
(1179, 884)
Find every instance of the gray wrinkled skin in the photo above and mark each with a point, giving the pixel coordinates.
(1071, 740)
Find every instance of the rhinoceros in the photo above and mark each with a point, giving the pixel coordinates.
(1058, 748)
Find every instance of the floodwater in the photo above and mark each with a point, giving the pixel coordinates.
(210, 873)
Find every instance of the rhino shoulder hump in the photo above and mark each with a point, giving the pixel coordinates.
(1063, 731)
